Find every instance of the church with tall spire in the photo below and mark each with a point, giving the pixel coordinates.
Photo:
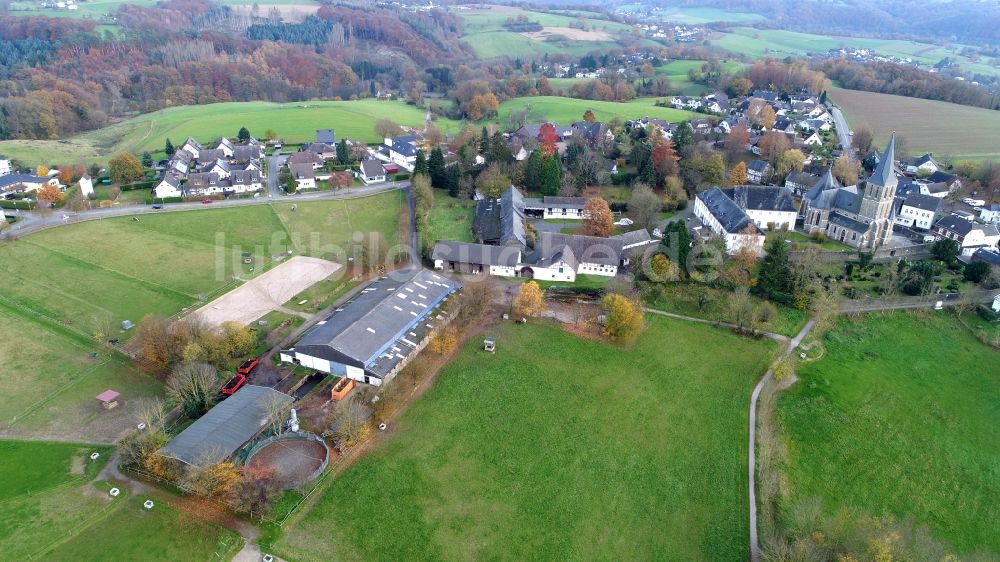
(860, 216)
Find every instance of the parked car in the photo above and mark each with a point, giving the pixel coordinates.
(247, 366)
(157, 206)
(206, 201)
(233, 384)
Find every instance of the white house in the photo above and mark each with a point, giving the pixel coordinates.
(552, 207)
(86, 186)
(242, 181)
(476, 259)
(725, 218)
(169, 186)
(561, 257)
(191, 146)
(990, 214)
(918, 210)
(304, 175)
(758, 171)
(402, 150)
(924, 165)
(969, 235)
(767, 206)
(371, 172)
(25, 182)
(4, 167)
(225, 146)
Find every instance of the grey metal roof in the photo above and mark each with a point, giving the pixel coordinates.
(957, 225)
(762, 198)
(372, 167)
(847, 200)
(11, 179)
(987, 256)
(404, 148)
(326, 136)
(941, 177)
(825, 183)
(501, 221)
(922, 202)
(585, 249)
(802, 178)
(226, 427)
(462, 252)
(634, 238)
(848, 223)
(383, 312)
(564, 202)
(726, 211)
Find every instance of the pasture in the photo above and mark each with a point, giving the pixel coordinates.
(324, 229)
(60, 284)
(899, 417)
(294, 122)
(485, 32)
(451, 219)
(677, 72)
(757, 43)
(946, 129)
(51, 508)
(568, 110)
(616, 455)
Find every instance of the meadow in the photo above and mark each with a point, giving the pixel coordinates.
(61, 283)
(701, 15)
(55, 511)
(524, 455)
(946, 129)
(484, 31)
(451, 219)
(568, 110)
(677, 72)
(294, 122)
(898, 418)
(757, 43)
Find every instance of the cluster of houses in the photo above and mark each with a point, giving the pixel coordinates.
(861, 216)
(220, 168)
(502, 246)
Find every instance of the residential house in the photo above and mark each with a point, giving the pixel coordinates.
(169, 186)
(769, 206)
(561, 257)
(953, 182)
(220, 167)
(759, 171)
(371, 171)
(371, 337)
(685, 102)
(242, 181)
(326, 136)
(204, 183)
(594, 134)
(402, 150)
(22, 183)
(86, 186)
(4, 167)
(224, 145)
(800, 182)
(304, 176)
(918, 210)
(181, 162)
(726, 219)
(635, 239)
(311, 159)
(924, 165)
(553, 207)
(990, 214)
(969, 235)
(701, 126)
(190, 146)
(462, 257)
(324, 150)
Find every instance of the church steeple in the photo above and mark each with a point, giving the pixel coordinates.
(885, 173)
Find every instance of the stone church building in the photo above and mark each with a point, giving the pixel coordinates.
(860, 216)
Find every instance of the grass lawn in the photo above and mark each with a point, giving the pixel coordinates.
(134, 533)
(30, 467)
(677, 72)
(946, 129)
(568, 110)
(616, 455)
(451, 218)
(900, 418)
(682, 298)
(323, 229)
(799, 241)
(295, 122)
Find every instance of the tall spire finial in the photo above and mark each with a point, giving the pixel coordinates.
(885, 171)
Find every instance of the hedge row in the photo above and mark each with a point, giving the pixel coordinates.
(23, 205)
(147, 184)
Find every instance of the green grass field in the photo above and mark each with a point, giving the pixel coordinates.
(778, 43)
(567, 110)
(51, 509)
(485, 32)
(616, 455)
(900, 418)
(56, 283)
(946, 129)
(295, 122)
(451, 218)
(683, 298)
(677, 72)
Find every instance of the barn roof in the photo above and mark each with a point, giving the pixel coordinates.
(225, 428)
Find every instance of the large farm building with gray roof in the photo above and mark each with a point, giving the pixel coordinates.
(370, 337)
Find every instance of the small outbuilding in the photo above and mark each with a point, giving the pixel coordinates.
(108, 399)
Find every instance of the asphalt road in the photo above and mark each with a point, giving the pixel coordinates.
(843, 131)
(33, 221)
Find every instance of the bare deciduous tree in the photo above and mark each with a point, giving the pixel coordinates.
(193, 385)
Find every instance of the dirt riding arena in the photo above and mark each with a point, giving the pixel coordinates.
(293, 460)
(266, 292)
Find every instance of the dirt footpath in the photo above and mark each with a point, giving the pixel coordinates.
(268, 291)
